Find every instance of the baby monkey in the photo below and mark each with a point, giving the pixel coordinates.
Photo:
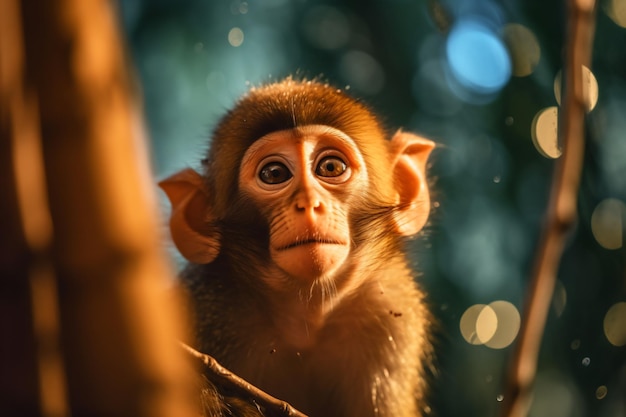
(295, 234)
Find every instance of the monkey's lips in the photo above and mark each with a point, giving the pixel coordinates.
(310, 258)
(311, 241)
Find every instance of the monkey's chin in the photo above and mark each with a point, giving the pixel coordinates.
(311, 261)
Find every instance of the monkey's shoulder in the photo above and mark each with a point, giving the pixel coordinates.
(216, 306)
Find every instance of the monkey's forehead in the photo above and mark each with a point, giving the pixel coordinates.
(290, 104)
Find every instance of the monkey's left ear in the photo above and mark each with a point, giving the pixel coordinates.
(193, 233)
(409, 156)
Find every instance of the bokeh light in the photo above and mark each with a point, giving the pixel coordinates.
(235, 37)
(477, 57)
(544, 132)
(616, 10)
(544, 127)
(607, 223)
(468, 323)
(590, 88)
(523, 47)
(508, 325)
(486, 324)
(495, 325)
(615, 324)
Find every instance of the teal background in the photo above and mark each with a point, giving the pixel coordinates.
(490, 183)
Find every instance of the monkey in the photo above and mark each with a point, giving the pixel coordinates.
(295, 233)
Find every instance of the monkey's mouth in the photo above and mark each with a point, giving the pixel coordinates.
(312, 241)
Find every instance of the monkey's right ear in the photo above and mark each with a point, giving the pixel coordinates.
(193, 233)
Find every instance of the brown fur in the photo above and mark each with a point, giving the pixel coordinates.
(356, 346)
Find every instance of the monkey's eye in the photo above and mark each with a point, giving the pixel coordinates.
(331, 166)
(274, 173)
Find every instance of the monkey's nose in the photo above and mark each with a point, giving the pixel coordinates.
(308, 202)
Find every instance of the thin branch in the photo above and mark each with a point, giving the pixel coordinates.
(561, 213)
(227, 380)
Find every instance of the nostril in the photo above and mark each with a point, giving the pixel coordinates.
(305, 204)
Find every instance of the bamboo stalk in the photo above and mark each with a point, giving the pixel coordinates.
(88, 241)
(33, 380)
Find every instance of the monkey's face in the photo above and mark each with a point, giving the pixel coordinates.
(303, 181)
